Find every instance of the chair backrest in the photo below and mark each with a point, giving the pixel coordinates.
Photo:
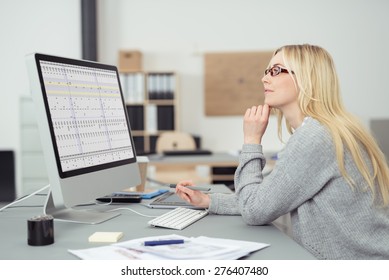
(174, 140)
(380, 130)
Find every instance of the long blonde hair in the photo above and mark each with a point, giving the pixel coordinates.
(319, 97)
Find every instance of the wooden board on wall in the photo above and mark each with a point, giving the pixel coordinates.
(233, 81)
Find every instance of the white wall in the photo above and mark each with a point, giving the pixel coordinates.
(172, 34)
(48, 26)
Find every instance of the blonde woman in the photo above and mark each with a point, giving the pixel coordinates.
(331, 176)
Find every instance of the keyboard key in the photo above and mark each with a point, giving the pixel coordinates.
(179, 218)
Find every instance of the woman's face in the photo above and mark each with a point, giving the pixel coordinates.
(280, 90)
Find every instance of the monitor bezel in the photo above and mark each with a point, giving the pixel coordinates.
(84, 63)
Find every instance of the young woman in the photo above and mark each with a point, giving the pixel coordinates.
(331, 176)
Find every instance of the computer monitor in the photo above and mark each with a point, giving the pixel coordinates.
(85, 134)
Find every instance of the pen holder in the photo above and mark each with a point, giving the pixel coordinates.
(40, 230)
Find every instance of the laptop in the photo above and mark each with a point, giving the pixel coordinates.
(170, 200)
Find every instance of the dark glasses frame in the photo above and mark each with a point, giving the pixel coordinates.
(276, 70)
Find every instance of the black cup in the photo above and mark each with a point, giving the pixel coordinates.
(40, 230)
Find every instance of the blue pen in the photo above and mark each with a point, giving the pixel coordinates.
(163, 242)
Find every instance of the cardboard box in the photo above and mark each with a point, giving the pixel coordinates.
(130, 60)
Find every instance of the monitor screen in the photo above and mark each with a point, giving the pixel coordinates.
(86, 117)
(84, 127)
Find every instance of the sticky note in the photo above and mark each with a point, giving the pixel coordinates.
(101, 236)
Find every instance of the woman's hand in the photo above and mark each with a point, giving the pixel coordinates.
(255, 123)
(196, 198)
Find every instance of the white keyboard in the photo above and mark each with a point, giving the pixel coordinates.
(179, 218)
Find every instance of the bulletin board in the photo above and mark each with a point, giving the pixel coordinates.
(233, 81)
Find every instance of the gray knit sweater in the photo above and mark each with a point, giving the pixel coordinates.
(329, 218)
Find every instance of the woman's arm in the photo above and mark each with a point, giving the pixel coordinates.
(305, 166)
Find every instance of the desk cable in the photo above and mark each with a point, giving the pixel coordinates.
(47, 186)
(123, 208)
(129, 209)
(24, 198)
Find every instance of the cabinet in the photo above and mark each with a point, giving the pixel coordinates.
(152, 106)
(223, 175)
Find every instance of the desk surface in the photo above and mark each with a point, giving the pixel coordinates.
(215, 159)
(13, 224)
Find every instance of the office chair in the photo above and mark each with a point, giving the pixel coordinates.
(175, 140)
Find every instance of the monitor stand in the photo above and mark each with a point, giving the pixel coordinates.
(75, 215)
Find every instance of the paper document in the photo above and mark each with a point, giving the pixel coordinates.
(192, 248)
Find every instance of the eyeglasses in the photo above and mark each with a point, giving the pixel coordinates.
(276, 70)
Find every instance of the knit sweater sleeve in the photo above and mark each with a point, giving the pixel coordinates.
(304, 167)
(227, 204)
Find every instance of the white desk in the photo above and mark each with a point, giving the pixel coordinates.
(167, 168)
(225, 161)
(13, 241)
(215, 159)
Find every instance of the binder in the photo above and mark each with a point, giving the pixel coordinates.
(151, 86)
(139, 143)
(151, 118)
(171, 81)
(135, 114)
(165, 114)
(123, 84)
